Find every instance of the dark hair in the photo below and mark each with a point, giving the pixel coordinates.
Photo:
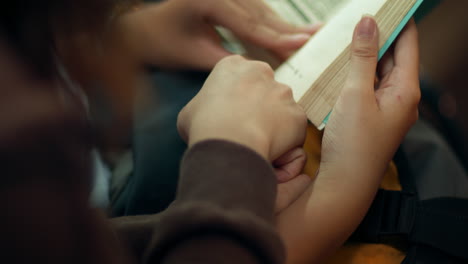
(29, 26)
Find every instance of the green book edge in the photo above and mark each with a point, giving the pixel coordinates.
(387, 44)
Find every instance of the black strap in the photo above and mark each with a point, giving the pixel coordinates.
(426, 255)
(398, 218)
(405, 174)
(429, 231)
(389, 220)
(442, 223)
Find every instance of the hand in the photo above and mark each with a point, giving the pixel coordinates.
(241, 102)
(370, 120)
(291, 181)
(181, 33)
(366, 127)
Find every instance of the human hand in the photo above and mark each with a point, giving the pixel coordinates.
(365, 128)
(370, 120)
(291, 181)
(241, 102)
(181, 33)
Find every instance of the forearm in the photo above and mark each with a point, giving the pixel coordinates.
(327, 213)
(365, 129)
(147, 26)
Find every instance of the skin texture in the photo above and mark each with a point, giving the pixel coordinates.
(267, 120)
(242, 103)
(183, 31)
(179, 34)
(259, 120)
(365, 129)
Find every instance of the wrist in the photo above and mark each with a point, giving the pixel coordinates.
(361, 180)
(252, 139)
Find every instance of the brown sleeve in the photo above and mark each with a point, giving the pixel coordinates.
(45, 178)
(223, 212)
(224, 208)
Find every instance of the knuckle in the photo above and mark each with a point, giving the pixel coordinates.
(182, 123)
(263, 67)
(230, 61)
(182, 116)
(285, 91)
(364, 52)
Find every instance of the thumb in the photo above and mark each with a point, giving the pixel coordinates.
(364, 53)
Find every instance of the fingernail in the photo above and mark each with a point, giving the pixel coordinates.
(367, 27)
(299, 37)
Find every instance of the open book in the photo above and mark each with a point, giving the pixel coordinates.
(316, 72)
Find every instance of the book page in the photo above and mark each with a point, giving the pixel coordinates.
(297, 12)
(303, 12)
(306, 66)
(317, 72)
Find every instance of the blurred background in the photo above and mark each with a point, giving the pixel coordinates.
(444, 64)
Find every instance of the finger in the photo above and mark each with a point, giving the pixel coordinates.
(284, 54)
(295, 137)
(386, 64)
(404, 78)
(364, 52)
(251, 28)
(269, 17)
(407, 51)
(290, 165)
(280, 25)
(266, 15)
(183, 123)
(313, 28)
(404, 93)
(290, 191)
(209, 54)
(266, 37)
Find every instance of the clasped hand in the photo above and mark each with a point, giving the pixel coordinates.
(242, 103)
